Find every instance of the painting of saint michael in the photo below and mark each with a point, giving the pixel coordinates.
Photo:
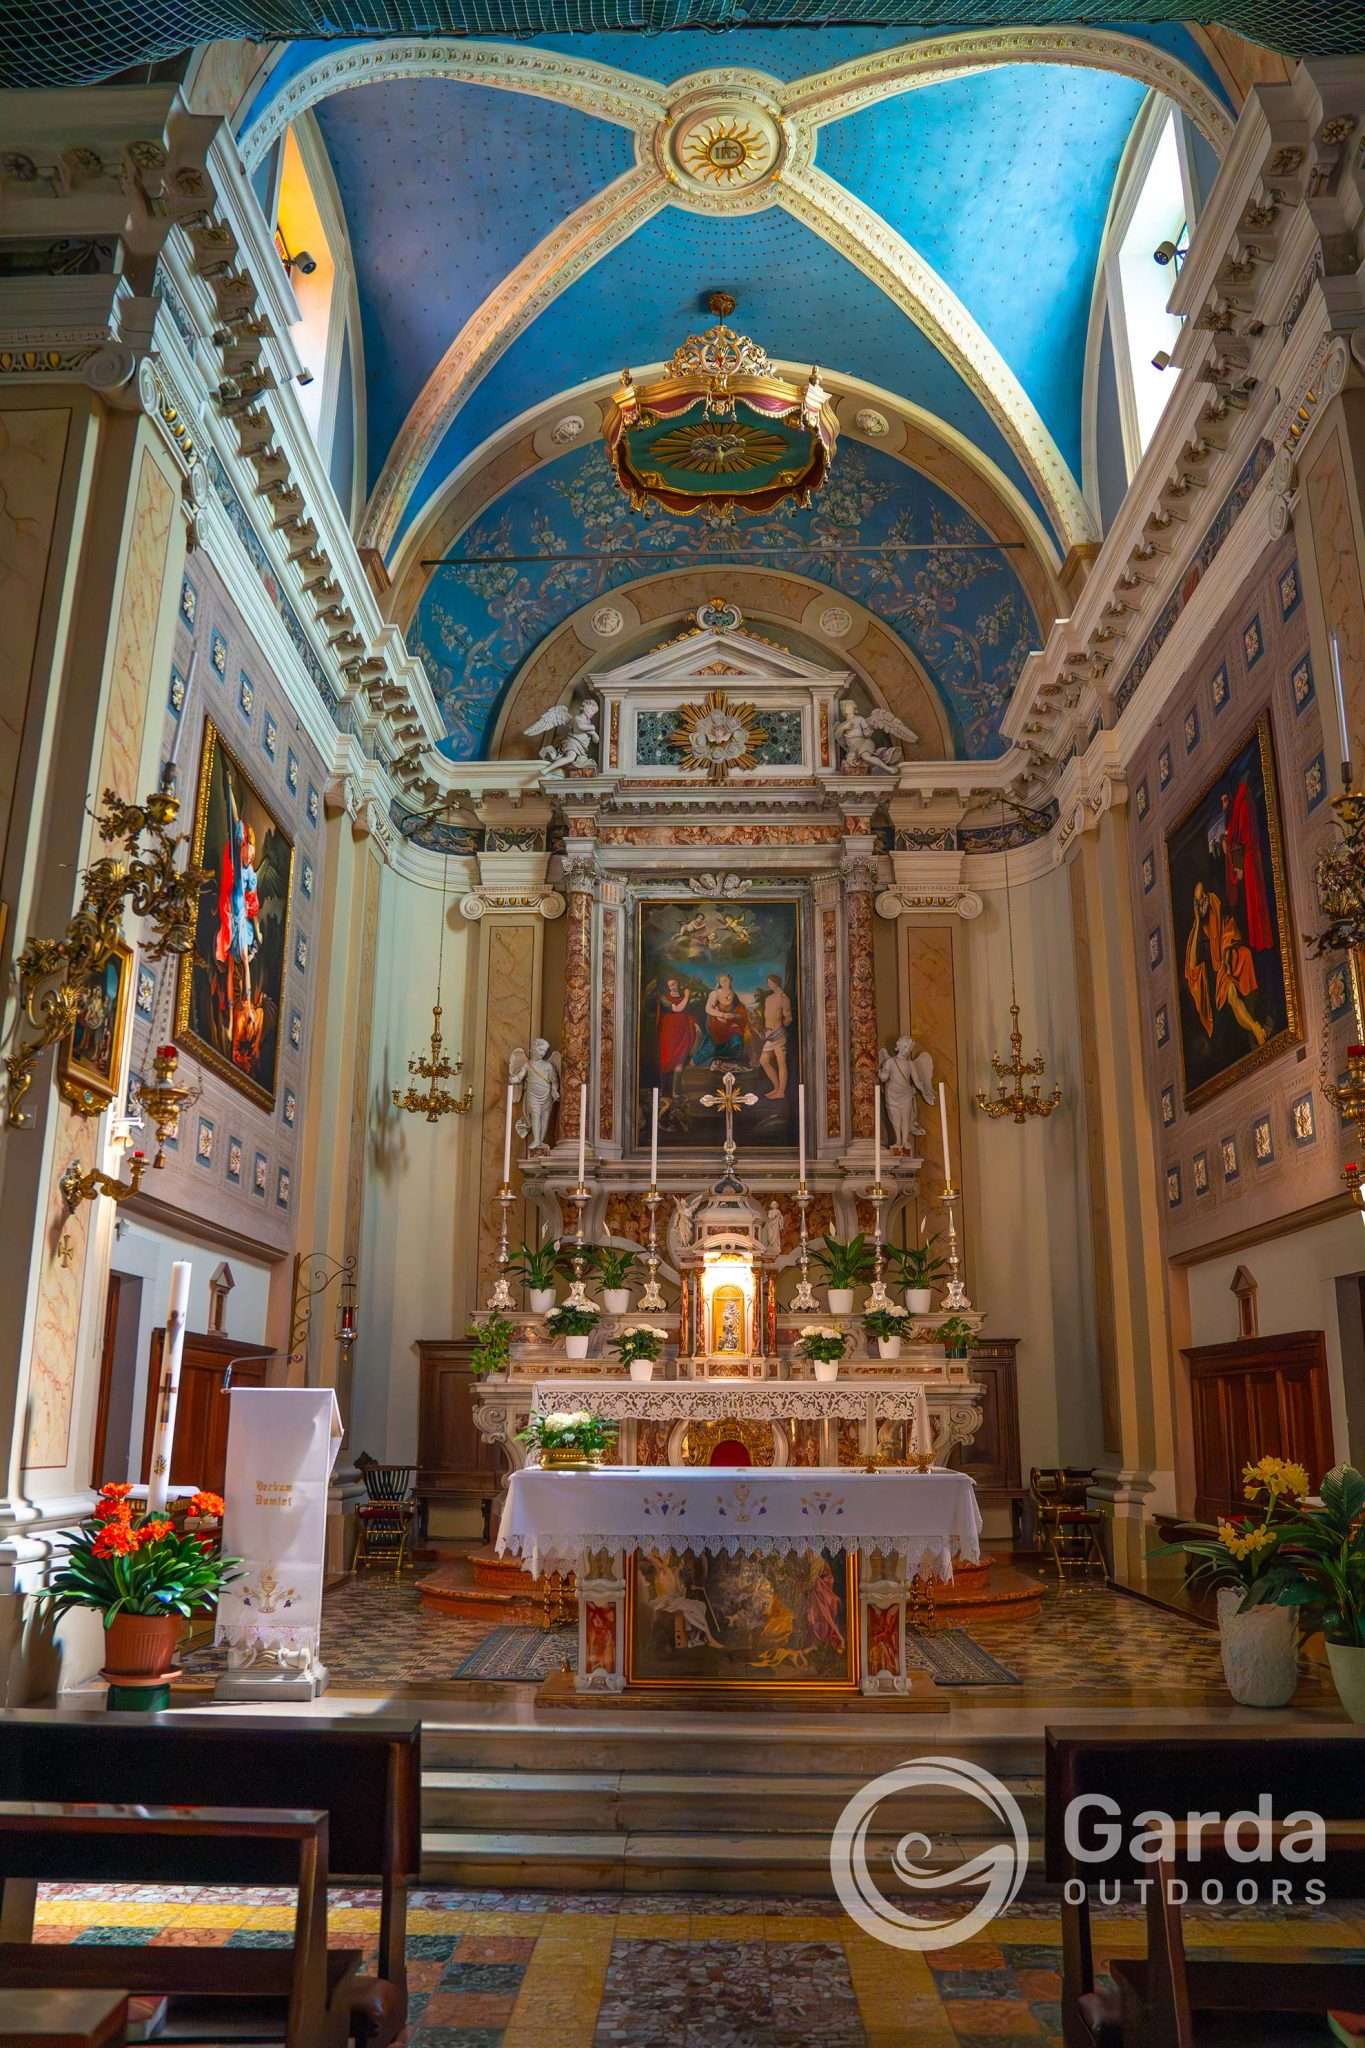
(718, 989)
(232, 984)
(699, 1619)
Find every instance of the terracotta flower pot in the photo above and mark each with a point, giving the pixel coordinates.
(140, 1646)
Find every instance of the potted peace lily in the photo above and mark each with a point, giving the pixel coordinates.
(1241, 1559)
(613, 1265)
(638, 1346)
(569, 1442)
(918, 1266)
(1318, 1564)
(888, 1326)
(824, 1348)
(844, 1262)
(575, 1325)
(538, 1265)
(146, 1574)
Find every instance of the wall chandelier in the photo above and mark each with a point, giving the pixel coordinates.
(436, 1100)
(1013, 1096)
(720, 432)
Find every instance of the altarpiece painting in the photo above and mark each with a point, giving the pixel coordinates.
(744, 1620)
(1238, 993)
(718, 987)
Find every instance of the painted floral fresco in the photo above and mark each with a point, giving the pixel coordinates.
(956, 603)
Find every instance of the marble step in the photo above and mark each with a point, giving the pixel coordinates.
(645, 1862)
(622, 1802)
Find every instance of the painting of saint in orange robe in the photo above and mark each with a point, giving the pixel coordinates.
(1220, 971)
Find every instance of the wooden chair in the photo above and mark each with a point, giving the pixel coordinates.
(1165, 2000)
(1065, 1521)
(386, 1518)
(43, 1843)
(365, 1774)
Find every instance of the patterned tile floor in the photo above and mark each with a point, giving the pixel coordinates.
(559, 1970)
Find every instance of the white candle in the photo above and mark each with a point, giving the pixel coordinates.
(1341, 709)
(943, 1119)
(877, 1139)
(177, 1314)
(801, 1123)
(582, 1130)
(654, 1141)
(507, 1139)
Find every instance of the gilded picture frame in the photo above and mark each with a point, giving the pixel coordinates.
(90, 1057)
(1232, 944)
(762, 1656)
(230, 988)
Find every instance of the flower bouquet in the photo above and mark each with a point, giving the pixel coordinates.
(575, 1325)
(824, 1348)
(569, 1442)
(638, 1346)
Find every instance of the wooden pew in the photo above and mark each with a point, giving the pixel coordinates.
(1215, 1770)
(365, 1774)
(42, 1842)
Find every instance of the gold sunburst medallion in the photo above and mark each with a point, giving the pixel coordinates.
(718, 448)
(725, 151)
(717, 735)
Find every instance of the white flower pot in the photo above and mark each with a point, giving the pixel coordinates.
(888, 1347)
(542, 1300)
(826, 1368)
(920, 1300)
(1348, 1675)
(616, 1300)
(642, 1368)
(840, 1301)
(1260, 1651)
(577, 1347)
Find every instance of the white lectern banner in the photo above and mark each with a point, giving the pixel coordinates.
(282, 1445)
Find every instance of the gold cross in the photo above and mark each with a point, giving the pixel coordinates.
(729, 1099)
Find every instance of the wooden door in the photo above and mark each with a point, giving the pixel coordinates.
(447, 1439)
(199, 1452)
(1257, 1397)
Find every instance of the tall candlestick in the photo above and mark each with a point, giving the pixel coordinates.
(801, 1124)
(582, 1130)
(1341, 711)
(877, 1138)
(507, 1139)
(177, 1314)
(943, 1119)
(654, 1141)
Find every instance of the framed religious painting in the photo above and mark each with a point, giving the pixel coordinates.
(231, 987)
(718, 986)
(1232, 931)
(754, 1621)
(91, 1054)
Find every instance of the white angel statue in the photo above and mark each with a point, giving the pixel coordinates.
(905, 1072)
(864, 751)
(537, 1076)
(573, 736)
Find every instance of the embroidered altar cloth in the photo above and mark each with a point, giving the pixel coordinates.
(929, 1518)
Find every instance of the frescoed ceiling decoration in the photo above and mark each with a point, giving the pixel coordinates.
(921, 216)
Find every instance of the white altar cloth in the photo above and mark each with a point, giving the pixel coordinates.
(927, 1518)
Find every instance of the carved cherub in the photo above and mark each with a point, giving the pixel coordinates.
(574, 741)
(857, 733)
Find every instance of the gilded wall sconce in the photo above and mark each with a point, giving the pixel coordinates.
(78, 1187)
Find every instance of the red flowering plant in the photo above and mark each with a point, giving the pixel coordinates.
(125, 1562)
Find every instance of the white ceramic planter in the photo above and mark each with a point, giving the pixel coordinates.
(616, 1300)
(840, 1301)
(642, 1368)
(1348, 1675)
(577, 1347)
(920, 1300)
(1260, 1651)
(542, 1300)
(888, 1347)
(826, 1368)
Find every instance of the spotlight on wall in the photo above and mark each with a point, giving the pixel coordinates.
(1161, 360)
(301, 260)
(1168, 252)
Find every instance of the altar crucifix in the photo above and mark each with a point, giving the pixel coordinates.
(728, 1098)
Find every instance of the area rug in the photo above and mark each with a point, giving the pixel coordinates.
(952, 1657)
(521, 1656)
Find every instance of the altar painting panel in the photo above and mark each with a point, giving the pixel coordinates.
(1235, 969)
(780, 1620)
(718, 987)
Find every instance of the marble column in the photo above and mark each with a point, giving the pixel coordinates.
(580, 883)
(860, 879)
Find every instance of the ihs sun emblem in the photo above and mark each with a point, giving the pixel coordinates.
(725, 151)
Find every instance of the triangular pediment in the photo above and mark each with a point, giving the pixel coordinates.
(712, 658)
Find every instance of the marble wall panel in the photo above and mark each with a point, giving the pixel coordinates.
(32, 452)
(509, 1019)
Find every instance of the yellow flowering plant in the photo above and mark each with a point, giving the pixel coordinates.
(1240, 1550)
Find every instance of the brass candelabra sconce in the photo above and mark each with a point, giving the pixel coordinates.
(164, 1101)
(78, 1187)
(52, 973)
(1348, 1097)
